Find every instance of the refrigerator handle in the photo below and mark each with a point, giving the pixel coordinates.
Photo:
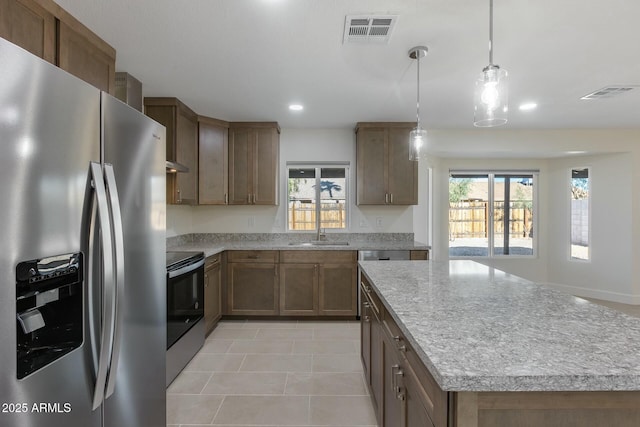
(118, 239)
(108, 285)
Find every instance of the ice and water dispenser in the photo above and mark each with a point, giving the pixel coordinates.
(48, 310)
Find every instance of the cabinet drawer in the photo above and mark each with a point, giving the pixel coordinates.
(372, 298)
(211, 261)
(318, 257)
(253, 256)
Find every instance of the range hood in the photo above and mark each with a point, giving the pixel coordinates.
(173, 167)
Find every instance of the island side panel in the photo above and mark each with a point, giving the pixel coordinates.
(549, 409)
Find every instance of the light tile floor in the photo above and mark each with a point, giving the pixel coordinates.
(280, 373)
(274, 373)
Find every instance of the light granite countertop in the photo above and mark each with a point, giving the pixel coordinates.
(357, 242)
(480, 329)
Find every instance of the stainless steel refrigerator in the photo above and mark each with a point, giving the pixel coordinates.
(82, 264)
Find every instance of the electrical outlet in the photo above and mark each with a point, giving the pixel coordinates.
(379, 222)
(251, 221)
(363, 223)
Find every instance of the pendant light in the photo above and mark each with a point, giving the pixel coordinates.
(490, 99)
(418, 136)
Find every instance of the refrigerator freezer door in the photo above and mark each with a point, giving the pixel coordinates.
(135, 146)
(49, 133)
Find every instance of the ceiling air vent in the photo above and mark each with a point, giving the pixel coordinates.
(368, 29)
(609, 92)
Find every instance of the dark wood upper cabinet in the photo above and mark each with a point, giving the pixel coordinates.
(30, 26)
(84, 55)
(213, 158)
(385, 175)
(253, 163)
(51, 33)
(182, 146)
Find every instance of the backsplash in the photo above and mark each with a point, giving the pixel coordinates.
(288, 237)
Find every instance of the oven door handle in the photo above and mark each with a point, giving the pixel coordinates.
(185, 269)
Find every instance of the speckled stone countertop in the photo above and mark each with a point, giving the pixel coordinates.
(480, 329)
(212, 244)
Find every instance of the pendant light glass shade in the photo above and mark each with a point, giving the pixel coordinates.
(418, 136)
(417, 139)
(491, 97)
(491, 94)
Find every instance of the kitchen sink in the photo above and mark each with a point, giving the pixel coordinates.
(319, 243)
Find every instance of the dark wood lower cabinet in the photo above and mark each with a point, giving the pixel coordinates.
(298, 289)
(212, 292)
(318, 283)
(338, 291)
(252, 283)
(403, 393)
(393, 397)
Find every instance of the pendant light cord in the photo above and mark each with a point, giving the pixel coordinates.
(418, 94)
(490, 32)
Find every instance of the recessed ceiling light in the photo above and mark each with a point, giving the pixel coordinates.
(528, 106)
(296, 107)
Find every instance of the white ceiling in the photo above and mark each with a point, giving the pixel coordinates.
(242, 60)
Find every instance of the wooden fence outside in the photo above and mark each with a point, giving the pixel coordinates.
(302, 216)
(471, 219)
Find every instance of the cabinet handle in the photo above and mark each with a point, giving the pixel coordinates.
(178, 199)
(398, 374)
(226, 199)
(367, 319)
(366, 304)
(400, 396)
(401, 347)
(391, 198)
(394, 384)
(254, 198)
(386, 197)
(248, 199)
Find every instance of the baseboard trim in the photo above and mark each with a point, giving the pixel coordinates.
(596, 293)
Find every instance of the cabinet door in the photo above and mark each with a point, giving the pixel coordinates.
(403, 173)
(212, 296)
(377, 372)
(299, 289)
(417, 402)
(28, 25)
(187, 154)
(365, 336)
(338, 289)
(239, 164)
(371, 166)
(213, 145)
(392, 403)
(265, 167)
(84, 58)
(252, 288)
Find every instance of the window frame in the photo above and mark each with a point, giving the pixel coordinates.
(589, 216)
(491, 175)
(318, 166)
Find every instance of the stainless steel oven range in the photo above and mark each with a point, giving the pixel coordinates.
(185, 309)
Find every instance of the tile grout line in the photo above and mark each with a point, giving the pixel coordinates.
(218, 410)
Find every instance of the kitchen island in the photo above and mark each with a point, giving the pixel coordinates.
(462, 344)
